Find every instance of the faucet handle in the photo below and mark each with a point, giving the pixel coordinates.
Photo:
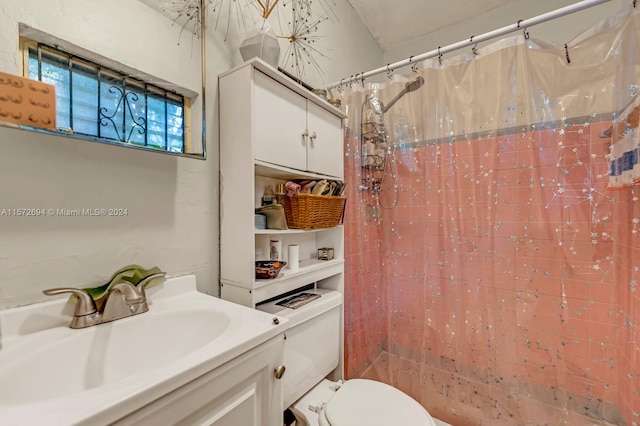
(85, 305)
(140, 286)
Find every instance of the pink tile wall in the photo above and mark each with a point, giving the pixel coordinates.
(366, 320)
(502, 288)
(628, 239)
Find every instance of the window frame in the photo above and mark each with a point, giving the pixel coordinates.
(26, 44)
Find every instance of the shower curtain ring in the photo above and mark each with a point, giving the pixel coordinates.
(525, 32)
(351, 82)
(414, 67)
(474, 49)
(389, 72)
(362, 79)
(439, 55)
(340, 86)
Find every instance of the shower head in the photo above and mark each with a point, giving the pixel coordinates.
(409, 87)
(414, 85)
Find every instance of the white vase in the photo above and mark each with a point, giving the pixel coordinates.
(262, 42)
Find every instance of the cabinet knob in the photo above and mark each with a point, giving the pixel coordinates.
(305, 133)
(313, 136)
(279, 371)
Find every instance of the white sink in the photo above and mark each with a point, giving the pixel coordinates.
(61, 362)
(46, 367)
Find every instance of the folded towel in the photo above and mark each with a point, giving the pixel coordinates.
(131, 273)
(276, 218)
(292, 188)
(320, 187)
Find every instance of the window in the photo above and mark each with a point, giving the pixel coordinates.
(100, 102)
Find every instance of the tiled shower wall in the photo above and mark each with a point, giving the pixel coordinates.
(502, 288)
(366, 316)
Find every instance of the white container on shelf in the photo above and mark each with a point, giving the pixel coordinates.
(294, 257)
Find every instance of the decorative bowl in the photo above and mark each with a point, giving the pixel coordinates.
(268, 269)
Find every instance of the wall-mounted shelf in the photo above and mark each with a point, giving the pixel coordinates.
(287, 133)
(319, 268)
(279, 172)
(292, 231)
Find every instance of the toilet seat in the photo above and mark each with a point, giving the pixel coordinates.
(371, 403)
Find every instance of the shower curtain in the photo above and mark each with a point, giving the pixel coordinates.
(491, 261)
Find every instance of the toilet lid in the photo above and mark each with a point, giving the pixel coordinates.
(371, 403)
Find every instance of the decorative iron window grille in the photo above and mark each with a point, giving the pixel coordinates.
(97, 101)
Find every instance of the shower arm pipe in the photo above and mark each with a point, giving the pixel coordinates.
(518, 26)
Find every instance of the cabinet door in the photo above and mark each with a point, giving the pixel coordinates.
(242, 392)
(325, 149)
(279, 124)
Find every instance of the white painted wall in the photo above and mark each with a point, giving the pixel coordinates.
(557, 31)
(172, 202)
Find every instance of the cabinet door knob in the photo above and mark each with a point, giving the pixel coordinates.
(313, 136)
(305, 133)
(279, 371)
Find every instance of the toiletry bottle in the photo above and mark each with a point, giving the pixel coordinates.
(275, 249)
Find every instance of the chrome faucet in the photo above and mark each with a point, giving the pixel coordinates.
(122, 300)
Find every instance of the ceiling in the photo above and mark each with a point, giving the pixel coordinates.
(392, 23)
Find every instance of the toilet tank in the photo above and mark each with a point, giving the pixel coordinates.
(312, 346)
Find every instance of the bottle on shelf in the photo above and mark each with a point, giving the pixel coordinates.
(275, 252)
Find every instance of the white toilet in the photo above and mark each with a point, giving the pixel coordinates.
(312, 351)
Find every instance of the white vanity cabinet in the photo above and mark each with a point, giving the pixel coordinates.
(244, 391)
(273, 130)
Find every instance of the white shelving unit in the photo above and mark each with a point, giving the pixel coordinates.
(273, 130)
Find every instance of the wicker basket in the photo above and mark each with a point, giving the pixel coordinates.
(309, 211)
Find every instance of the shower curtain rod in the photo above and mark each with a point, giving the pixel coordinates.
(520, 25)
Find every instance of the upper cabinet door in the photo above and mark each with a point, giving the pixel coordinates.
(279, 124)
(324, 154)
